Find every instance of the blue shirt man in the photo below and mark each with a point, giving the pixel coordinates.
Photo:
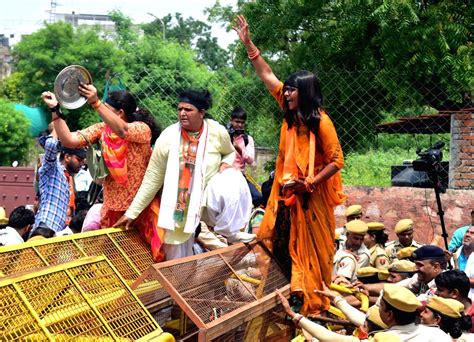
(53, 183)
(458, 235)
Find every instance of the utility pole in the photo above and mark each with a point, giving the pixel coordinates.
(52, 11)
(161, 21)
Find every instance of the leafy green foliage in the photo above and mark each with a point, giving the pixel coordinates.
(124, 35)
(373, 57)
(39, 58)
(372, 168)
(190, 33)
(10, 88)
(263, 114)
(377, 61)
(171, 68)
(14, 135)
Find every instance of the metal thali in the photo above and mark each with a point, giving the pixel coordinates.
(67, 83)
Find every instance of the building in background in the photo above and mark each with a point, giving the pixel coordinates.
(79, 19)
(5, 56)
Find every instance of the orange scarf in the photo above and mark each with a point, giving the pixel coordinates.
(71, 208)
(114, 150)
(186, 173)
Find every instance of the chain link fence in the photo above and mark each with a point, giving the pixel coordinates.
(357, 101)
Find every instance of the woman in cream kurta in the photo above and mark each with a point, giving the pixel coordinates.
(190, 161)
(219, 151)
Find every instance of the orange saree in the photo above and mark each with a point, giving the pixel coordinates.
(312, 224)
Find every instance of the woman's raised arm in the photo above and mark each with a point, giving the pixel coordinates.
(116, 124)
(60, 126)
(261, 66)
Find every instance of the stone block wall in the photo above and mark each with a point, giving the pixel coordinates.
(389, 205)
(461, 164)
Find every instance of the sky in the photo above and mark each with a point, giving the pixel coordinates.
(25, 16)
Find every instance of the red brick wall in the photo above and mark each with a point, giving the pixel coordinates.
(388, 205)
(16, 187)
(461, 165)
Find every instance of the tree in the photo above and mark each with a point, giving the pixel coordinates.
(371, 56)
(10, 88)
(158, 70)
(15, 141)
(428, 41)
(124, 35)
(191, 33)
(38, 59)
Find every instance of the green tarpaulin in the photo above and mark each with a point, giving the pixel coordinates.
(36, 115)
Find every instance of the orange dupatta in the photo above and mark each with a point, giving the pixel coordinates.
(114, 150)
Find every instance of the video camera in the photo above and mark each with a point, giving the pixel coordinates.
(430, 159)
(430, 164)
(236, 132)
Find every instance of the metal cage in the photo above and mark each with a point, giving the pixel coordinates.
(228, 294)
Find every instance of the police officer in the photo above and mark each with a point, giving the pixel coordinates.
(398, 310)
(429, 261)
(344, 265)
(400, 270)
(404, 231)
(375, 240)
(353, 212)
(356, 230)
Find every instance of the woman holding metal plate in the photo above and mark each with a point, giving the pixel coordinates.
(126, 136)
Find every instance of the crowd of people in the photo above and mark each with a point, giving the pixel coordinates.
(187, 194)
(186, 191)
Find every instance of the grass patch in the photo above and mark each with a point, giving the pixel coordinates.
(372, 168)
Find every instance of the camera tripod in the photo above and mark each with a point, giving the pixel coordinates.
(438, 189)
(430, 163)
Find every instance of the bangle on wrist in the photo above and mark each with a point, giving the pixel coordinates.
(96, 104)
(56, 118)
(253, 53)
(297, 319)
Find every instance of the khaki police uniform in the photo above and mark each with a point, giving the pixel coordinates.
(345, 264)
(404, 300)
(362, 255)
(352, 210)
(393, 247)
(378, 257)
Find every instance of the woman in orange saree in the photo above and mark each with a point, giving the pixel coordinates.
(299, 217)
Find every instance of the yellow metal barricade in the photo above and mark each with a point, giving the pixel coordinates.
(124, 249)
(82, 300)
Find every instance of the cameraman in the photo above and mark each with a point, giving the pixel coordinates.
(244, 146)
